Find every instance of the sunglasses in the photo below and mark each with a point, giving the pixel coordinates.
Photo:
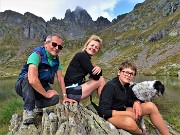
(55, 45)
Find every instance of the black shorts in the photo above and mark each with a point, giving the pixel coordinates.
(74, 93)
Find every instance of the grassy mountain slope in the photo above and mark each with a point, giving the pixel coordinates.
(154, 48)
(149, 36)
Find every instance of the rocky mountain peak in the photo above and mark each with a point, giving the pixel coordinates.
(33, 17)
(102, 22)
(76, 23)
(11, 16)
(78, 8)
(79, 16)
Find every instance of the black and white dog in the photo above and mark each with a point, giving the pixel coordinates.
(147, 91)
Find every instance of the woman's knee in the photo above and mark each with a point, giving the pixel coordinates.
(102, 80)
(96, 83)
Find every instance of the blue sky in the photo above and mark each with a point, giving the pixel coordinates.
(47, 9)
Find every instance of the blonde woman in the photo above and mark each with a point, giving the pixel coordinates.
(77, 88)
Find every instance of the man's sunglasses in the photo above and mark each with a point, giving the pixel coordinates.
(59, 46)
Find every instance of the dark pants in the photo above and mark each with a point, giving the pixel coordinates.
(31, 97)
(74, 93)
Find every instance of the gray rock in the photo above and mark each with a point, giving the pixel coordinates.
(64, 119)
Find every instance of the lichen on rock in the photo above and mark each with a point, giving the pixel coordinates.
(64, 119)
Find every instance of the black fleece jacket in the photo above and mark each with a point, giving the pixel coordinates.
(78, 68)
(115, 96)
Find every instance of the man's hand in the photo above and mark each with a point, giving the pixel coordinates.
(51, 93)
(65, 99)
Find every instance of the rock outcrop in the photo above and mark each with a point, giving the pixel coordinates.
(74, 25)
(64, 119)
(71, 119)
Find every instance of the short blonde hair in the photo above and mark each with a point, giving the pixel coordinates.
(95, 38)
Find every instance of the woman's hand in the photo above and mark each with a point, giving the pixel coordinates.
(96, 70)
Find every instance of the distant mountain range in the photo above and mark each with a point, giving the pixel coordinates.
(149, 35)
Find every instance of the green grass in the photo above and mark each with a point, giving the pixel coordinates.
(173, 116)
(9, 107)
(170, 113)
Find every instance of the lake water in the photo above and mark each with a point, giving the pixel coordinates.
(7, 89)
(172, 87)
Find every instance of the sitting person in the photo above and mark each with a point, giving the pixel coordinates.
(38, 71)
(119, 106)
(77, 87)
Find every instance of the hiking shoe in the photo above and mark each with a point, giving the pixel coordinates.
(38, 111)
(28, 117)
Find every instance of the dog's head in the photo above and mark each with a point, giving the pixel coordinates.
(148, 90)
(159, 87)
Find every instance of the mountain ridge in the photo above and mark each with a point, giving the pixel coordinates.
(149, 35)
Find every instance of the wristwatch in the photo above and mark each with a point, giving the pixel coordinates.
(64, 95)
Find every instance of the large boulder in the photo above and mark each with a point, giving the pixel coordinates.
(64, 119)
